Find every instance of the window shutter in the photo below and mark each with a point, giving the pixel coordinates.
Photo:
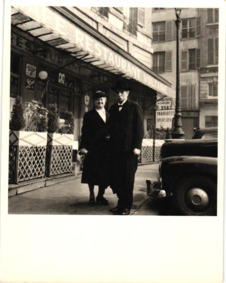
(216, 50)
(210, 51)
(197, 58)
(183, 97)
(141, 16)
(216, 15)
(193, 103)
(174, 32)
(184, 60)
(155, 62)
(133, 21)
(168, 61)
(209, 15)
(168, 30)
(198, 27)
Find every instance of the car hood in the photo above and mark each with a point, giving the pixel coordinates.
(189, 148)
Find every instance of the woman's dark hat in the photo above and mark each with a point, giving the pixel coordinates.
(99, 94)
(121, 85)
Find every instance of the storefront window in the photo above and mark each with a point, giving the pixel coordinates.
(211, 121)
(14, 76)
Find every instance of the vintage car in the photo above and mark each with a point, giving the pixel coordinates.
(188, 174)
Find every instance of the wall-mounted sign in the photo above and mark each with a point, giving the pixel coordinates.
(164, 118)
(164, 104)
(86, 100)
(61, 78)
(29, 83)
(30, 70)
(73, 34)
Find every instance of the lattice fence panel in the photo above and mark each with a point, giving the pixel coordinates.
(12, 163)
(146, 154)
(157, 153)
(31, 163)
(59, 159)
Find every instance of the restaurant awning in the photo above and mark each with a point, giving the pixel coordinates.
(59, 27)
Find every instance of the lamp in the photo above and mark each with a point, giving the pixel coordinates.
(177, 132)
(43, 75)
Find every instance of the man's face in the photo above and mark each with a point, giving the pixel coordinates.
(122, 95)
(100, 102)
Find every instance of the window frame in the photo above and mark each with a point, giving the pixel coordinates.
(159, 31)
(214, 123)
(189, 28)
(211, 87)
(212, 15)
(157, 59)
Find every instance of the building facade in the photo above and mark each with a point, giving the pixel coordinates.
(62, 54)
(198, 61)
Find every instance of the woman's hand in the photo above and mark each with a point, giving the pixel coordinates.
(136, 151)
(83, 151)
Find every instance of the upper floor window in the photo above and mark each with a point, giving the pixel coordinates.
(103, 11)
(158, 31)
(212, 51)
(131, 18)
(188, 28)
(190, 59)
(212, 16)
(162, 62)
(213, 89)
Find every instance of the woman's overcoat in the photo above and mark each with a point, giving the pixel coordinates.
(94, 139)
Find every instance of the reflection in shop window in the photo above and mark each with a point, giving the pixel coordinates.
(211, 121)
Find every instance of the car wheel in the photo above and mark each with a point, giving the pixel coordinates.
(196, 195)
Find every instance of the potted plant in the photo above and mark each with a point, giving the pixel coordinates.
(60, 141)
(28, 138)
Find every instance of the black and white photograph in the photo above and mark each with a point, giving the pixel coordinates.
(113, 142)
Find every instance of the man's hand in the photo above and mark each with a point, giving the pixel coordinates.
(136, 151)
(84, 151)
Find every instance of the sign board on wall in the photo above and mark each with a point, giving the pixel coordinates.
(80, 39)
(164, 118)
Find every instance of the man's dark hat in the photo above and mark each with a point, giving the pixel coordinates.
(99, 94)
(121, 85)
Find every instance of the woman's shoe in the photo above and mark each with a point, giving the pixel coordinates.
(91, 202)
(101, 200)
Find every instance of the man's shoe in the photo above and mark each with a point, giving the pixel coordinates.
(125, 211)
(122, 211)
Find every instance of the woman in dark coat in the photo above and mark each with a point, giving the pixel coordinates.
(94, 145)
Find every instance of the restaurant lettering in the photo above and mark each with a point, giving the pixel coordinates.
(82, 40)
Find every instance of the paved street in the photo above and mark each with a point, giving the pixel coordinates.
(71, 197)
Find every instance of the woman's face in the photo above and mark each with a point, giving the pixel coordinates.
(100, 102)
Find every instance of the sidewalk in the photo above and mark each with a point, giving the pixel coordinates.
(71, 197)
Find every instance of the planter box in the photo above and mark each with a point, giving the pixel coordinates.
(27, 154)
(59, 154)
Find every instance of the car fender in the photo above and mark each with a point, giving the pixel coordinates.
(176, 167)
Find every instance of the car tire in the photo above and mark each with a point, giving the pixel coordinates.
(195, 195)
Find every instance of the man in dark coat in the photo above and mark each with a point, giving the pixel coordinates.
(95, 146)
(126, 134)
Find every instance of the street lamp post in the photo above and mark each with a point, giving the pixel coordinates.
(177, 132)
